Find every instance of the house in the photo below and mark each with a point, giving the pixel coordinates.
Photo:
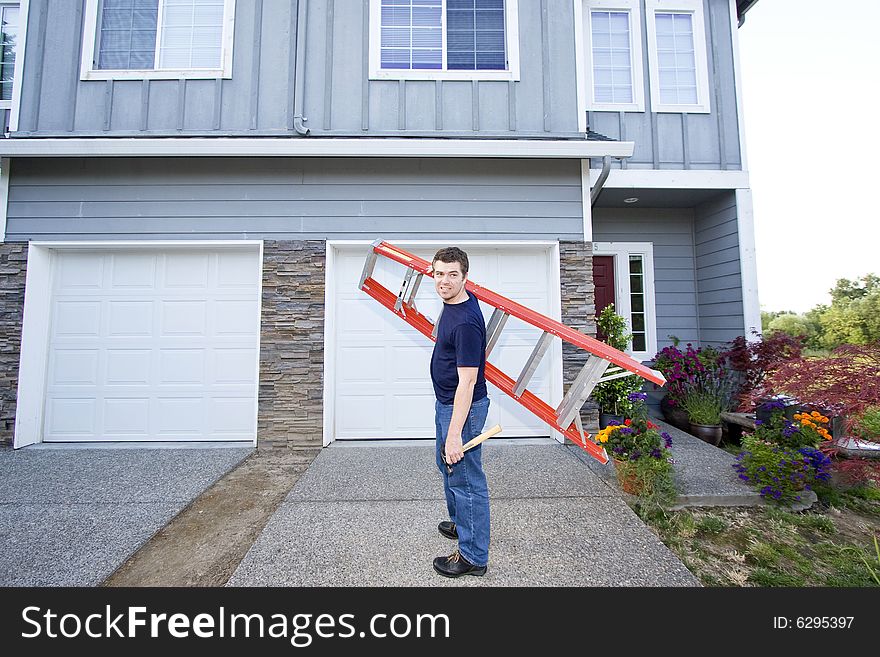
(190, 188)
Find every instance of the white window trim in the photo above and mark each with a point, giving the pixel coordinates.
(584, 49)
(7, 104)
(694, 7)
(90, 40)
(511, 38)
(622, 301)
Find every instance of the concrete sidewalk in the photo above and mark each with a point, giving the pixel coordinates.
(366, 515)
(71, 516)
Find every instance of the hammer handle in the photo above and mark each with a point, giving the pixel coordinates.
(482, 437)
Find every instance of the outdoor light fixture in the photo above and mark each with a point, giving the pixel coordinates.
(631, 199)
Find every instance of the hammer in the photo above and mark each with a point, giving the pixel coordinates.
(473, 442)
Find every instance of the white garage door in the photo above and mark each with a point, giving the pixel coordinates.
(382, 385)
(153, 345)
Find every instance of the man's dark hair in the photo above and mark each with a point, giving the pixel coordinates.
(452, 254)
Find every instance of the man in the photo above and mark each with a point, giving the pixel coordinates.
(457, 372)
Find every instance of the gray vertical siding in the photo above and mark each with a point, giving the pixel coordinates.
(697, 280)
(718, 271)
(277, 198)
(675, 285)
(338, 99)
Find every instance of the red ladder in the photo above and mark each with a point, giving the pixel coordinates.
(604, 363)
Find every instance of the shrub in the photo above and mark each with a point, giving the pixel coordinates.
(613, 396)
(847, 382)
(751, 362)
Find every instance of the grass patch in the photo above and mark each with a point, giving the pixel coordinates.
(769, 546)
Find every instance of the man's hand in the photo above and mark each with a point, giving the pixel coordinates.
(454, 453)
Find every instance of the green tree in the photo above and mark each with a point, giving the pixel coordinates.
(854, 314)
(794, 325)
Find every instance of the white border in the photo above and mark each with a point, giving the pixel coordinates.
(745, 224)
(90, 38)
(313, 147)
(622, 306)
(15, 109)
(7, 104)
(583, 55)
(5, 166)
(694, 7)
(674, 178)
(332, 246)
(737, 77)
(33, 361)
(586, 202)
(511, 38)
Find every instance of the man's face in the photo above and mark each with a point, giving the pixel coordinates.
(448, 279)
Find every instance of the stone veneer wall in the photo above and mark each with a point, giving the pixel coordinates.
(292, 345)
(13, 268)
(578, 311)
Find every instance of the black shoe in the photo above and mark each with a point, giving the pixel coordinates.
(448, 530)
(456, 565)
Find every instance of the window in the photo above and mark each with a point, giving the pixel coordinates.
(613, 55)
(9, 17)
(444, 39)
(634, 292)
(138, 39)
(677, 56)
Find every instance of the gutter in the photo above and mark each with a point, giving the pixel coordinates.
(600, 181)
(300, 68)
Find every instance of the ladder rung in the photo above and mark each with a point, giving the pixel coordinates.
(437, 323)
(532, 363)
(611, 377)
(411, 301)
(583, 385)
(402, 293)
(493, 330)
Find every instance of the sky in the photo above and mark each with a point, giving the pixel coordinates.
(811, 92)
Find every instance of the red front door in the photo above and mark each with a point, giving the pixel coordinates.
(603, 279)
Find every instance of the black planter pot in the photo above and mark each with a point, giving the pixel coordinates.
(710, 433)
(606, 418)
(675, 415)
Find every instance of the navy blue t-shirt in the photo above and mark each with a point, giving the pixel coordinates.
(461, 342)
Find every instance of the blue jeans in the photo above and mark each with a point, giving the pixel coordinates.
(467, 493)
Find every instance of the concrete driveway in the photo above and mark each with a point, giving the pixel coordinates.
(69, 516)
(366, 515)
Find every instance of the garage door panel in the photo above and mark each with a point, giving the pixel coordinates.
(370, 321)
(128, 366)
(234, 366)
(231, 415)
(177, 366)
(78, 271)
(239, 317)
(184, 318)
(77, 318)
(127, 416)
(130, 318)
(147, 354)
(74, 367)
(362, 364)
(71, 417)
(361, 415)
(185, 270)
(412, 415)
(409, 363)
(180, 415)
(133, 271)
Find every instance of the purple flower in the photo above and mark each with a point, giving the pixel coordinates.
(626, 430)
(613, 423)
(758, 423)
(637, 396)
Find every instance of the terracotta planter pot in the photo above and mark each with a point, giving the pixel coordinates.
(710, 433)
(626, 477)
